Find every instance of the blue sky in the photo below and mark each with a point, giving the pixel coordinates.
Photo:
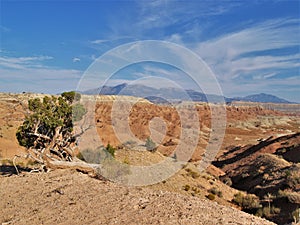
(251, 46)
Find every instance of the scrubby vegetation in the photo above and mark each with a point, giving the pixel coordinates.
(247, 201)
(192, 173)
(211, 196)
(270, 172)
(150, 145)
(216, 191)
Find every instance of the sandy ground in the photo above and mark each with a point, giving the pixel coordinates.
(70, 197)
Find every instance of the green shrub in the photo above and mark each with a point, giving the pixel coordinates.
(110, 149)
(150, 145)
(78, 112)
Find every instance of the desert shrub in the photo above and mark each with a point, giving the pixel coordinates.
(186, 187)
(287, 173)
(6, 162)
(247, 201)
(291, 196)
(211, 196)
(90, 156)
(296, 215)
(31, 162)
(195, 175)
(275, 210)
(196, 190)
(78, 112)
(267, 212)
(126, 161)
(192, 173)
(293, 179)
(227, 181)
(114, 170)
(187, 169)
(215, 191)
(150, 145)
(110, 149)
(261, 212)
(130, 144)
(96, 156)
(207, 176)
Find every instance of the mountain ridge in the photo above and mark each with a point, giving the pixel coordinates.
(163, 95)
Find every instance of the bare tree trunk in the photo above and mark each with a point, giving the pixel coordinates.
(77, 164)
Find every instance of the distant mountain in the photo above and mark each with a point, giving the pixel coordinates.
(106, 90)
(165, 95)
(262, 97)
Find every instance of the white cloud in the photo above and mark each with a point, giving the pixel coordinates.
(234, 54)
(19, 74)
(176, 38)
(76, 59)
(157, 13)
(99, 41)
(23, 62)
(43, 80)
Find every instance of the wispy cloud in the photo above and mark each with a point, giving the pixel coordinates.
(23, 62)
(161, 19)
(242, 57)
(163, 13)
(19, 74)
(98, 41)
(4, 29)
(49, 80)
(273, 34)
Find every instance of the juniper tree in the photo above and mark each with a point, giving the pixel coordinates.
(47, 132)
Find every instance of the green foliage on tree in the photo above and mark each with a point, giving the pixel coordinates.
(48, 128)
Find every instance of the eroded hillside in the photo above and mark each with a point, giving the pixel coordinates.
(254, 138)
